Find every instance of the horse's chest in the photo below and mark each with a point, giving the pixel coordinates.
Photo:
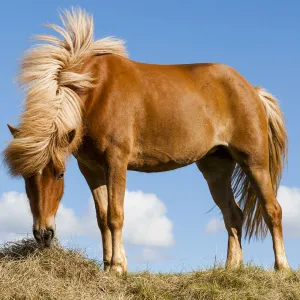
(92, 159)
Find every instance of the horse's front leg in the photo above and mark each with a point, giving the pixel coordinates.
(116, 184)
(97, 184)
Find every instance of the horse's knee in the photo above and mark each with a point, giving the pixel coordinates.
(274, 212)
(115, 219)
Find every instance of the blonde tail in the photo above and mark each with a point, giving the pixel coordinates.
(277, 140)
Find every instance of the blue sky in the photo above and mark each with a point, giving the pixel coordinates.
(260, 39)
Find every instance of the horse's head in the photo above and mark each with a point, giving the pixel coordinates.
(44, 191)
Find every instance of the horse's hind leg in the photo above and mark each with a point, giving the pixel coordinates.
(97, 184)
(260, 179)
(217, 169)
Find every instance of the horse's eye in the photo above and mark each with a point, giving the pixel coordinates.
(60, 176)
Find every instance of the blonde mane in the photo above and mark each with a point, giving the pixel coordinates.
(52, 108)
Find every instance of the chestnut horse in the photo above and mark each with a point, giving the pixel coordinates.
(86, 98)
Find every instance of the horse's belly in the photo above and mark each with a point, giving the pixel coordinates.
(160, 161)
(155, 166)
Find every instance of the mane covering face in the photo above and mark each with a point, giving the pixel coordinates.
(50, 75)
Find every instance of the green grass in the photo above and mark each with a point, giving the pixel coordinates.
(27, 272)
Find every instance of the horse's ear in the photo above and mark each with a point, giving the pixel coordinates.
(71, 135)
(13, 130)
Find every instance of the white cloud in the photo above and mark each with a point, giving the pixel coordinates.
(15, 216)
(289, 199)
(214, 225)
(146, 223)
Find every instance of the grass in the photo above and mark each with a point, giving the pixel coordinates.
(27, 272)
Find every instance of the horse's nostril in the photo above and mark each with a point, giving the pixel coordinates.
(37, 235)
(48, 237)
(44, 236)
(49, 234)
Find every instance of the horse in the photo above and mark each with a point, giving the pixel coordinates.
(86, 98)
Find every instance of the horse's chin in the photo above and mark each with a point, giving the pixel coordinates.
(44, 245)
(48, 244)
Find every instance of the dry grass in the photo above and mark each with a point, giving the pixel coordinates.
(27, 272)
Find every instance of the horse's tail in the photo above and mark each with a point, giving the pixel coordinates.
(50, 73)
(277, 139)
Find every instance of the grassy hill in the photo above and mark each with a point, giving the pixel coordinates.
(27, 272)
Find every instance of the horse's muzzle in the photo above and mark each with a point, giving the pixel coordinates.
(44, 237)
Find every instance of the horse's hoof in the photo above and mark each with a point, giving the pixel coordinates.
(106, 267)
(117, 269)
(282, 267)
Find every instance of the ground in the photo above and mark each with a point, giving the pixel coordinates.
(27, 272)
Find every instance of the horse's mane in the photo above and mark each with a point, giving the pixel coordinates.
(52, 107)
